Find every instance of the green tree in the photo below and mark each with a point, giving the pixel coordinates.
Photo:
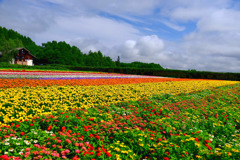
(118, 62)
(8, 50)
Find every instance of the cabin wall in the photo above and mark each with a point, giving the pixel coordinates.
(23, 58)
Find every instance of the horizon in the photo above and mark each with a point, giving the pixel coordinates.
(185, 35)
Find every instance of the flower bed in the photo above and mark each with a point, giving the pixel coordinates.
(111, 119)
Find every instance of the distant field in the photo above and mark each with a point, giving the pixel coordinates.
(96, 115)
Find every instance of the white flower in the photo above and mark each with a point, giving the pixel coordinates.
(6, 153)
(21, 153)
(7, 139)
(6, 143)
(35, 141)
(18, 144)
(27, 142)
(14, 138)
(11, 150)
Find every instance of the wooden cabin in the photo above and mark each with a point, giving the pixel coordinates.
(23, 57)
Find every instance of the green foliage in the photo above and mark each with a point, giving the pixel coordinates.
(141, 65)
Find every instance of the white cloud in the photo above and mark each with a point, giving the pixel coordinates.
(173, 26)
(89, 44)
(220, 21)
(144, 49)
(109, 32)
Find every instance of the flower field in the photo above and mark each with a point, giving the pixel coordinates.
(90, 115)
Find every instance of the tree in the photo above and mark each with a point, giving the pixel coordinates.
(118, 62)
(8, 50)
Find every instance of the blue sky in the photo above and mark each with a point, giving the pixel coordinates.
(178, 34)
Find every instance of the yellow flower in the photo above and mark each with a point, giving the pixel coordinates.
(235, 150)
(197, 156)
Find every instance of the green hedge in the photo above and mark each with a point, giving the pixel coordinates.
(137, 71)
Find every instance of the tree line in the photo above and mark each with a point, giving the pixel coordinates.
(59, 53)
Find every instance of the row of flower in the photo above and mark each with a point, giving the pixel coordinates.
(62, 74)
(198, 125)
(108, 119)
(18, 104)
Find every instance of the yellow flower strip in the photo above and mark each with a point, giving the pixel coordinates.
(18, 104)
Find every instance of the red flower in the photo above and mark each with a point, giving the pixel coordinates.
(108, 154)
(207, 141)
(31, 124)
(167, 153)
(166, 158)
(91, 135)
(22, 133)
(66, 116)
(49, 128)
(99, 154)
(17, 125)
(209, 148)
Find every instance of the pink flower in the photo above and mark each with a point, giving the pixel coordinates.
(35, 152)
(64, 157)
(67, 151)
(28, 149)
(68, 141)
(54, 145)
(76, 144)
(26, 155)
(81, 144)
(39, 156)
(84, 148)
(59, 141)
(47, 152)
(59, 147)
(77, 151)
(36, 145)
